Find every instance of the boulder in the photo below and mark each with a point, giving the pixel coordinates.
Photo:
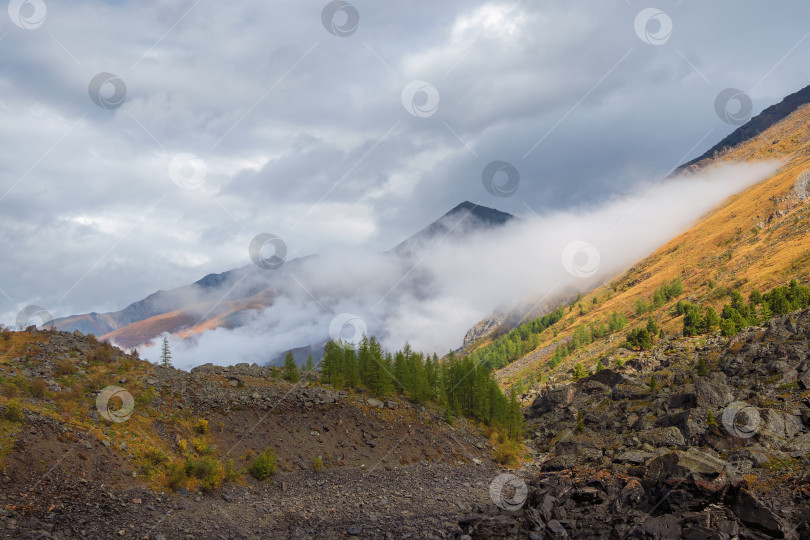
(607, 377)
(634, 456)
(779, 424)
(682, 465)
(668, 436)
(629, 391)
(556, 398)
(713, 392)
(375, 403)
(666, 527)
(800, 446)
(753, 512)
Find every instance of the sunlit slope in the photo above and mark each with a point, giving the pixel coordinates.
(758, 238)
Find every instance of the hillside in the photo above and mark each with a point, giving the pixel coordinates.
(98, 443)
(752, 129)
(699, 438)
(670, 402)
(756, 239)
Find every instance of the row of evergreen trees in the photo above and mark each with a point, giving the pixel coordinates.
(663, 294)
(464, 386)
(584, 335)
(738, 314)
(517, 343)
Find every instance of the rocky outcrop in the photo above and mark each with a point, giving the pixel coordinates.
(721, 455)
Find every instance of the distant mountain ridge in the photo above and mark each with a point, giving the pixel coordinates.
(201, 306)
(755, 126)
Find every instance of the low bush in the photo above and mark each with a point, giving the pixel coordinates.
(264, 465)
(207, 470)
(176, 475)
(64, 367)
(38, 388)
(14, 412)
(201, 426)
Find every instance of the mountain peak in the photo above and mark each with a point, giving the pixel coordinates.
(467, 213)
(756, 125)
(488, 215)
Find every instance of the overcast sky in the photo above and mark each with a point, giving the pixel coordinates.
(336, 124)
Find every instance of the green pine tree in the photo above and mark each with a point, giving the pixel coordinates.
(310, 367)
(290, 371)
(165, 354)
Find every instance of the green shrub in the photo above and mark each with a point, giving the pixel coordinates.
(176, 475)
(14, 412)
(155, 456)
(207, 470)
(201, 426)
(231, 474)
(317, 464)
(264, 465)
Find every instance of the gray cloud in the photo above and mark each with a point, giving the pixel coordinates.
(304, 134)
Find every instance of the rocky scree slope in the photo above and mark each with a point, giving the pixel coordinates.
(658, 448)
(390, 468)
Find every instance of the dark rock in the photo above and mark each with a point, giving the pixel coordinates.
(669, 436)
(753, 512)
(666, 527)
(556, 530)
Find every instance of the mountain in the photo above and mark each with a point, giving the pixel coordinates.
(457, 222)
(756, 239)
(680, 387)
(755, 126)
(228, 299)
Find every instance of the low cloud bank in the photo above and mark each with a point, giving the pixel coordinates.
(432, 296)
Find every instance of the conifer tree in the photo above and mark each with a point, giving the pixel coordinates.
(165, 354)
(290, 372)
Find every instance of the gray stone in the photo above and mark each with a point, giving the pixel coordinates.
(668, 436)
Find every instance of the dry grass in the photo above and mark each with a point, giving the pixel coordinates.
(734, 246)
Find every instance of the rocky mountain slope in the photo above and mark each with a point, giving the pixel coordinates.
(98, 443)
(663, 448)
(757, 239)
